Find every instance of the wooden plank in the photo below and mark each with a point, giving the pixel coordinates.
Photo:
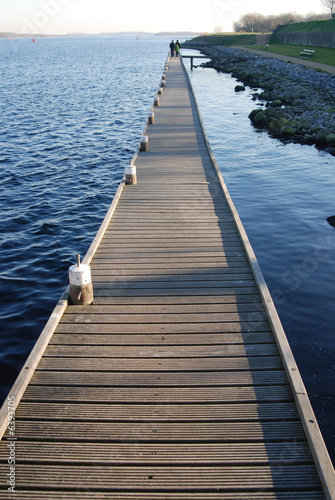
(176, 352)
(98, 495)
(168, 364)
(169, 309)
(230, 240)
(101, 290)
(160, 454)
(122, 261)
(169, 318)
(187, 253)
(180, 300)
(55, 379)
(253, 430)
(204, 245)
(237, 273)
(162, 340)
(169, 395)
(150, 412)
(168, 328)
(173, 285)
(177, 267)
(188, 257)
(101, 277)
(111, 477)
(208, 384)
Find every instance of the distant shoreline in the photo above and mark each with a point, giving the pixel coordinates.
(9, 34)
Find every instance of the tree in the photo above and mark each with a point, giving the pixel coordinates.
(218, 29)
(329, 4)
(257, 23)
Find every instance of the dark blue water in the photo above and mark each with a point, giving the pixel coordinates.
(72, 112)
(284, 194)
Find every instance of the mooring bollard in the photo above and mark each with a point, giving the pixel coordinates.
(156, 101)
(164, 76)
(160, 91)
(81, 287)
(131, 177)
(163, 83)
(151, 118)
(144, 143)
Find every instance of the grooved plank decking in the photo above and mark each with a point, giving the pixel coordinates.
(171, 385)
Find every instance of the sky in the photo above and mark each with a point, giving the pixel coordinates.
(97, 16)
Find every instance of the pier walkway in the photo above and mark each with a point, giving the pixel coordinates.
(178, 382)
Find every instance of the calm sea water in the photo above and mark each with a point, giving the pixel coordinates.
(72, 111)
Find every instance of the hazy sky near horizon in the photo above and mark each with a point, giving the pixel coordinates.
(96, 16)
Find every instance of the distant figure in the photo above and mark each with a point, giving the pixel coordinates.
(172, 48)
(177, 47)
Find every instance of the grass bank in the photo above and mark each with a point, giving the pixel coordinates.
(322, 54)
(226, 40)
(321, 26)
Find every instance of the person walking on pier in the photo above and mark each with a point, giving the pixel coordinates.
(172, 48)
(177, 48)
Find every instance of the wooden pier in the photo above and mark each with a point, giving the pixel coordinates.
(178, 382)
(192, 57)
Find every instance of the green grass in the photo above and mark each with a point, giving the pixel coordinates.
(322, 54)
(322, 26)
(226, 40)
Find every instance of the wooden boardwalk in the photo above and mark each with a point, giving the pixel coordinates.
(174, 383)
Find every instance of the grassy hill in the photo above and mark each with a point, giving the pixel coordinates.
(226, 39)
(322, 26)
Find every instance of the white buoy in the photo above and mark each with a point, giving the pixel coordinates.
(131, 176)
(156, 101)
(151, 118)
(81, 287)
(144, 143)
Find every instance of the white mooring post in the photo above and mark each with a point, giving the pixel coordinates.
(156, 101)
(131, 176)
(151, 118)
(81, 287)
(144, 143)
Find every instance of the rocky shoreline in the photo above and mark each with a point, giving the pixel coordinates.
(294, 103)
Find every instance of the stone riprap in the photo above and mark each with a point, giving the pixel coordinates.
(294, 103)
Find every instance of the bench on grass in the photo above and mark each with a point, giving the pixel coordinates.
(307, 53)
